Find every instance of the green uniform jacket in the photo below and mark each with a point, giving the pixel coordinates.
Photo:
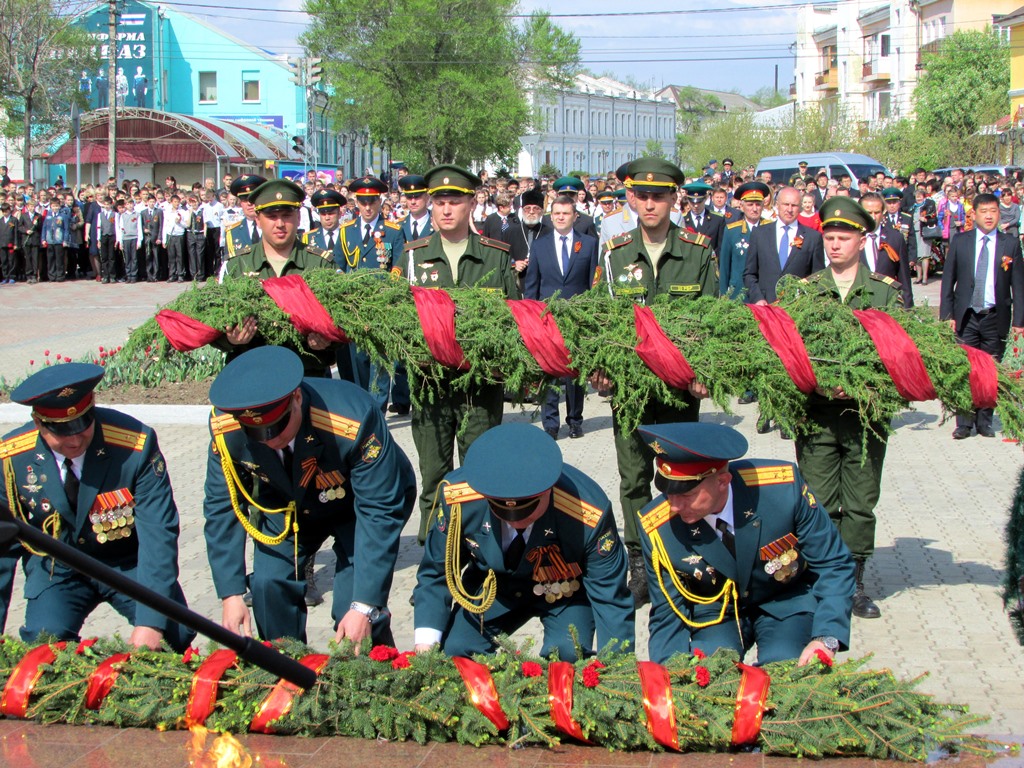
(486, 264)
(578, 523)
(123, 458)
(354, 255)
(251, 261)
(343, 437)
(687, 268)
(770, 502)
(870, 290)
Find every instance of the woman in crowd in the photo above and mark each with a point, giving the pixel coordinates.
(808, 216)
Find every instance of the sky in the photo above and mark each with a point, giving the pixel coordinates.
(733, 46)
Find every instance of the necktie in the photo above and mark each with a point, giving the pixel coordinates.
(727, 536)
(286, 458)
(415, 230)
(514, 553)
(366, 237)
(565, 255)
(784, 246)
(980, 274)
(873, 257)
(698, 221)
(330, 241)
(504, 224)
(71, 484)
(255, 233)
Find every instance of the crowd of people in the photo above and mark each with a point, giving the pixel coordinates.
(297, 457)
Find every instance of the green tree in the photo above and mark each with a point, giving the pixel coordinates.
(768, 97)
(963, 85)
(694, 107)
(438, 80)
(41, 54)
(653, 148)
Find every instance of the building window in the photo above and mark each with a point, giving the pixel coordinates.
(250, 86)
(885, 45)
(884, 105)
(207, 87)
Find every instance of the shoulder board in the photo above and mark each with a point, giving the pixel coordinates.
(233, 225)
(241, 250)
(734, 224)
(222, 423)
(499, 244)
(326, 421)
(457, 493)
(717, 213)
(696, 238)
(656, 518)
(349, 223)
(318, 251)
(12, 446)
(392, 225)
(776, 474)
(618, 240)
(578, 509)
(885, 279)
(421, 243)
(124, 438)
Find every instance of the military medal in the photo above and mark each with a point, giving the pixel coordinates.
(780, 557)
(554, 576)
(113, 515)
(330, 484)
(31, 476)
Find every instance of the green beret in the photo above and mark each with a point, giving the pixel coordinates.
(450, 179)
(841, 212)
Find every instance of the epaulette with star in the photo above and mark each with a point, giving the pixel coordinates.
(349, 223)
(735, 224)
(421, 243)
(326, 421)
(392, 225)
(695, 237)
(233, 224)
(656, 518)
(123, 438)
(619, 240)
(576, 508)
(776, 474)
(18, 444)
(492, 243)
(886, 279)
(459, 493)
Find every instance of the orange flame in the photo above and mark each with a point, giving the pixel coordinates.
(225, 752)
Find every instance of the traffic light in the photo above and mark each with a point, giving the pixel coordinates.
(313, 70)
(299, 145)
(295, 65)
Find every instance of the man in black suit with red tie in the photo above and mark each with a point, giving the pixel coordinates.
(700, 219)
(885, 249)
(804, 252)
(983, 295)
(562, 261)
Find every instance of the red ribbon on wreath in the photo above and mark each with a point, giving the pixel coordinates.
(542, 337)
(436, 311)
(205, 685)
(560, 679)
(102, 680)
(183, 332)
(656, 686)
(984, 377)
(23, 679)
(780, 332)
(278, 702)
(899, 354)
(658, 352)
(750, 700)
(307, 314)
(481, 690)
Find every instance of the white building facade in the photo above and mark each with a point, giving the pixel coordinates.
(596, 127)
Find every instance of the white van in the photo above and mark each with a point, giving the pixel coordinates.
(835, 164)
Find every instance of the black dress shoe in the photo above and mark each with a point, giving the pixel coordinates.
(961, 433)
(864, 607)
(987, 432)
(747, 398)
(552, 431)
(401, 410)
(575, 431)
(764, 426)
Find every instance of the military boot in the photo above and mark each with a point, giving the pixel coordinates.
(638, 579)
(313, 596)
(863, 606)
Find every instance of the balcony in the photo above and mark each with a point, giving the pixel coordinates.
(827, 80)
(927, 48)
(875, 71)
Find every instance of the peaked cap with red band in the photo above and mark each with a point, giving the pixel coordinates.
(688, 453)
(256, 388)
(61, 396)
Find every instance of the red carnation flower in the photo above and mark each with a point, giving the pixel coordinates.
(532, 669)
(401, 661)
(383, 653)
(190, 652)
(823, 657)
(699, 654)
(703, 677)
(591, 674)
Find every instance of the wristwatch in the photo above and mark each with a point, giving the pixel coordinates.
(372, 612)
(829, 642)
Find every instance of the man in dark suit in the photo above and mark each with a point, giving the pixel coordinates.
(804, 252)
(982, 312)
(501, 224)
(562, 262)
(699, 218)
(820, 190)
(570, 185)
(885, 249)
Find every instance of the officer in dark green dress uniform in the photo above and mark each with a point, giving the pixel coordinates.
(293, 462)
(94, 479)
(842, 464)
(244, 232)
(739, 552)
(539, 541)
(279, 252)
(452, 256)
(655, 259)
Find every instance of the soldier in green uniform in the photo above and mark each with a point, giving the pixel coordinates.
(842, 465)
(453, 256)
(740, 551)
(537, 542)
(244, 231)
(655, 259)
(279, 252)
